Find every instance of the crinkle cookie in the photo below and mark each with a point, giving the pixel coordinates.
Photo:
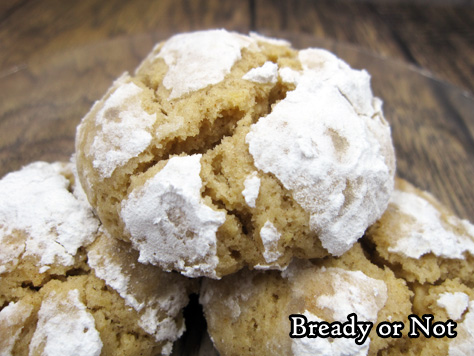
(448, 300)
(66, 287)
(425, 244)
(248, 312)
(225, 150)
(421, 240)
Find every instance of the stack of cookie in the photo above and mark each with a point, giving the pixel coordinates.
(260, 177)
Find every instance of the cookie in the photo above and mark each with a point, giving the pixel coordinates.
(415, 262)
(42, 224)
(66, 286)
(431, 248)
(225, 150)
(449, 300)
(421, 240)
(249, 313)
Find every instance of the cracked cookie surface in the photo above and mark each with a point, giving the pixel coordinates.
(225, 150)
(255, 306)
(421, 240)
(66, 286)
(424, 243)
(416, 259)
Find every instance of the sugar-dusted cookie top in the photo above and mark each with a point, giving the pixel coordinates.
(66, 286)
(249, 313)
(422, 240)
(225, 150)
(433, 250)
(450, 300)
(40, 220)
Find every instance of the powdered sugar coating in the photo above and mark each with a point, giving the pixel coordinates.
(289, 75)
(169, 223)
(322, 143)
(273, 266)
(463, 343)
(163, 330)
(115, 263)
(270, 237)
(110, 268)
(65, 327)
(454, 303)
(50, 222)
(124, 125)
(244, 289)
(267, 73)
(252, 188)
(426, 232)
(12, 320)
(354, 85)
(198, 59)
(274, 41)
(327, 347)
(213, 119)
(354, 293)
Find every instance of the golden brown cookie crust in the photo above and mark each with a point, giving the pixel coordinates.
(63, 276)
(256, 305)
(209, 125)
(446, 242)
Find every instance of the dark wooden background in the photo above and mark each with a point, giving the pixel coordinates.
(435, 35)
(58, 56)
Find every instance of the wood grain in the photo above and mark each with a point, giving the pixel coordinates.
(434, 145)
(55, 64)
(438, 38)
(39, 28)
(341, 21)
(57, 57)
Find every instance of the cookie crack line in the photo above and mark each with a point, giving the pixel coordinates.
(246, 223)
(187, 145)
(377, 259)
(197, 144)
(372, 254)
(272, 111)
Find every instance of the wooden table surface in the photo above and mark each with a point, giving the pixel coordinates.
(57, 57)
